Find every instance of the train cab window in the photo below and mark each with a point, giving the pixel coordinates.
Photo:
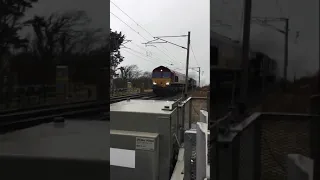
(166, 74)
(156, 75)
(176, 78)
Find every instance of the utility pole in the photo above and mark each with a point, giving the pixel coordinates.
(199, 75)
(245, 55)
(187, 48)
(286, 34)
(263, 22)
(187, 66)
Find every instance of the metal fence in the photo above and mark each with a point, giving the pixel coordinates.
(257, 148)
(39, 95)
(188, 116)
(124, 91)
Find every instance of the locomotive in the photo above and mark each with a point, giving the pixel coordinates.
(168, 82)
(226, 61)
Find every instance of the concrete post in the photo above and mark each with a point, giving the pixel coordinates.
(201, 150)
(315, 130)
(189, 135)
(299, 167)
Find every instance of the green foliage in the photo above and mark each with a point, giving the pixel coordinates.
(11, 13)
(116, 39)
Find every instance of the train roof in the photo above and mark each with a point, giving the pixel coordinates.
(216, 39)
(166, 68)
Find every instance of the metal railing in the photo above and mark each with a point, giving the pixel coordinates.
(40, 95)
(257, 148)
(188, 116)
(124, 91)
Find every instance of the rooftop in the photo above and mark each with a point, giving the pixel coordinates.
(142, 106)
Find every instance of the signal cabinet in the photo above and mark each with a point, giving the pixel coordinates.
(150, 116)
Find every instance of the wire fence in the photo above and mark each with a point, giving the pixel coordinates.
(38, 95)
(257, 148)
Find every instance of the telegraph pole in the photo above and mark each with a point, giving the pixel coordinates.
(187, 48)
(187, 66)
(263, 21)
(199, 76)
(245, 54)
(286, 34)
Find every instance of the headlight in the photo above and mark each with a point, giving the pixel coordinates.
(167, 83)
(154, 83)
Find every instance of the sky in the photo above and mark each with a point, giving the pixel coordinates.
(97, 10)
(303, 18)
(164, 18)
(167, 17)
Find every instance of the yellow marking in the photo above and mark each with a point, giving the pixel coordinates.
(161, 81)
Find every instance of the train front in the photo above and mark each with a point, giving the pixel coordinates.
(161, 79)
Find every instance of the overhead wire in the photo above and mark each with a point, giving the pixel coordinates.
(194, 55)
(136, 32)
(128, 26)
(142, 54)
(280, 7)
(149, 51)
(142, 29)
(139, 56)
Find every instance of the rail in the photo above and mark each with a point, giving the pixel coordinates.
(17, 119)
(26, 97)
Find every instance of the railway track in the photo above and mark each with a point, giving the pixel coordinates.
(22, 118)
(15, 119)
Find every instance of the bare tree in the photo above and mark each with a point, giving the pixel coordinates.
(130, 72)
(147, 74)
(59, 33)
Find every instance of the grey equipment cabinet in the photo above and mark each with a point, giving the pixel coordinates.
(150, 116)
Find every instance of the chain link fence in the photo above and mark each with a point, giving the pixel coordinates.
(190, 115)
(257, 148)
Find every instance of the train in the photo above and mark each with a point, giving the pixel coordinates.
(226, 62)
(168, 82)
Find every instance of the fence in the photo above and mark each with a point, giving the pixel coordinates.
(188, 116)
(258, 147)
(38, 95)
(124, 91)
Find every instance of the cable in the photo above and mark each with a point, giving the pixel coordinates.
(194, 55)
(131, 19)
(140, 27)
(140, 53)
(150, 51)
(136, 32)
(280, 8)
(128, 26)
(138, 56)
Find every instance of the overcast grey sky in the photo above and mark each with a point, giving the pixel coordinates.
(168, 17)
(165, 18)
(303, 15)
(98, 10)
